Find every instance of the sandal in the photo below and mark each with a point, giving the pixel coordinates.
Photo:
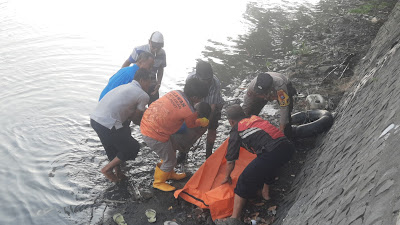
(151, 215)
(119, 219)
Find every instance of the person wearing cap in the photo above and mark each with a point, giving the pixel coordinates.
(205, 73)
(111, 119)
(259, 137)
(155, 46)
(163, 118)
(126, 74)
(268, 87)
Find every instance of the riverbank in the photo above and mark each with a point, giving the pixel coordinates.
(324, 52)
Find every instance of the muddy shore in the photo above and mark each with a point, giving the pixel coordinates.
(317, 52)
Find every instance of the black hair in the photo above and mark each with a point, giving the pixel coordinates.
(142, 74)
(204, 70)
(144, 56)
(203, 109)
(195, 87)
(235, 112)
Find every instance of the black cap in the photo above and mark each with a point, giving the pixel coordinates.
(204, 70)
(263, 83)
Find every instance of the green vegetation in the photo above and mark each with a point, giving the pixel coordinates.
(268, 64)
(370, 6)
(303, 49)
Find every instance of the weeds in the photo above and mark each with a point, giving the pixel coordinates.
(370, 7)
(303, 49)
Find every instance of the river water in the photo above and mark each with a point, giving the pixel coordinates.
(56, 57)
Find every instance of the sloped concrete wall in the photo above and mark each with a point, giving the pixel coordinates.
(353, 177)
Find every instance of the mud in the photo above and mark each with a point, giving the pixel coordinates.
(316, 47)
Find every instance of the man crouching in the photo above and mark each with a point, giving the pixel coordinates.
(259, 137)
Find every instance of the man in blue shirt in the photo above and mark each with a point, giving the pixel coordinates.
(126, 74)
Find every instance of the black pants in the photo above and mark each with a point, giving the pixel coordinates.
(262, 170)
(117, 143)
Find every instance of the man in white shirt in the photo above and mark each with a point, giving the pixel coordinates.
(111, 119)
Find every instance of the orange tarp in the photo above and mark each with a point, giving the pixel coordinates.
(204, 188)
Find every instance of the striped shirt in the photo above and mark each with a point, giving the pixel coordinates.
(214, 95)
(160, 60)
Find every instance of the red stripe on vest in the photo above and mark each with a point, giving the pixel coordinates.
(255, 121)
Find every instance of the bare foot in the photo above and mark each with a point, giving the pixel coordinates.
(110, 175)
(265, 192)
(120, 175)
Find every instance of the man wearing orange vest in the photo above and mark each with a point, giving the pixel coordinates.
(259, 137)
(164, 117)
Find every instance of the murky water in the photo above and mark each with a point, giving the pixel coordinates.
(56, 56)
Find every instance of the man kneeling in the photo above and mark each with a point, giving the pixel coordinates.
(259, 137)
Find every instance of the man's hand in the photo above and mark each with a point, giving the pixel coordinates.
(227, 180)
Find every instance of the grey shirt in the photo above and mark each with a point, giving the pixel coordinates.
(118, 105)
(214, 95)
(280, 83)
(160, 60)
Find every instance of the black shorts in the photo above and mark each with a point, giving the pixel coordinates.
(213, 124)
(117, 143)
(262, 170)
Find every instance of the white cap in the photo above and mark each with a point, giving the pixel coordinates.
(157, 37)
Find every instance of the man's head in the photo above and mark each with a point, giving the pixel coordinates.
(142, 76)
(145, 60)
(195, 89)
(156, 42)
(235, 114)
(203, 109)
(204, 71)
(263, 84)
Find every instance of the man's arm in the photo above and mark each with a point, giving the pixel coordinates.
(126, 63)
(229, 168)
(232, 153)
(160, 74)
(137, 117)
(284, 101)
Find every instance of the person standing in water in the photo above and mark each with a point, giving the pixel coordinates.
(154, 46)
(163, 118)
(112, 117)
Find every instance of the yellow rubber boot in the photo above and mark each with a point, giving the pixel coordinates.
(176, 176)
(173, 175)
(159, 180)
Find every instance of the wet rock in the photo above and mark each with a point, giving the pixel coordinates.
(325, 69)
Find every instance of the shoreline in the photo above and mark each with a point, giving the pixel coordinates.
(323, 65)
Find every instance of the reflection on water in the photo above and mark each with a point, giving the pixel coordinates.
(273, 29)
(55, 59)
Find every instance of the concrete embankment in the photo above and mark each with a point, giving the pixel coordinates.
(353, 176)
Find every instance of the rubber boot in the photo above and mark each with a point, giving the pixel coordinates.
(176, 176)
(173, 175)
(159, 180)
